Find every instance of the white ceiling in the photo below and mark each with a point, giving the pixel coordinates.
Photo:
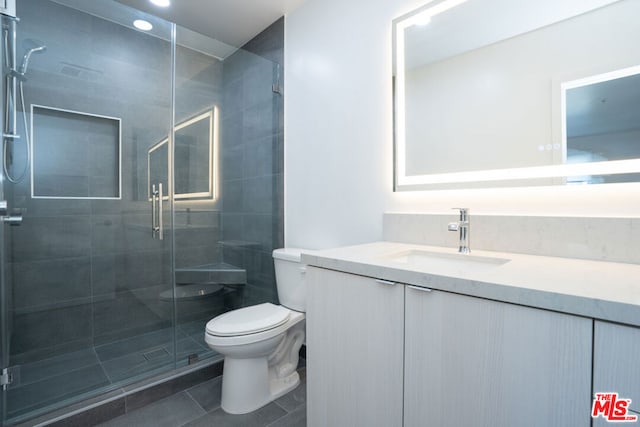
(233, 22)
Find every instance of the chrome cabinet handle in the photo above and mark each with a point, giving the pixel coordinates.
(386, 282)
(420, 288)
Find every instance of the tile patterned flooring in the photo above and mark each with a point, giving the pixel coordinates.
(81, 372)
(200, 406)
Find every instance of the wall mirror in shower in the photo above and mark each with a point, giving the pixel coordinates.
(74, 155)
(194, 158)
(491, 102)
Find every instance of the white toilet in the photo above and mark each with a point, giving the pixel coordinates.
(260, 343)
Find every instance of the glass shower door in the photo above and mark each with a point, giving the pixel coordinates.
(89, 270)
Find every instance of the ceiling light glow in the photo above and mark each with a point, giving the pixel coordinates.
(161, 3)
(143, 25)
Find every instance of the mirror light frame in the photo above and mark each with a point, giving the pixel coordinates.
(212, 115)
(211, 193)
(509, 177)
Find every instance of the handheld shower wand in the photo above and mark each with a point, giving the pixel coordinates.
(32, 46)
(18, 75)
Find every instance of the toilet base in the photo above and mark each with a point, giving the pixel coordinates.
(281, 386)
(249, 384)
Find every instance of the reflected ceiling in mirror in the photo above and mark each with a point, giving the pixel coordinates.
(481, 92)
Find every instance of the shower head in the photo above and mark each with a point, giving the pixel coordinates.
(31, 46)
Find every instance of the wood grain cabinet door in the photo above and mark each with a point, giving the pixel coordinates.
(476, 362)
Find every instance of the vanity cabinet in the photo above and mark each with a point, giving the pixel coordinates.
(390, 355)
(354, 350)
(476, 362)
(616, 364)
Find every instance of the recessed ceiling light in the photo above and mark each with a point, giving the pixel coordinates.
(143, 25)
(161, 3)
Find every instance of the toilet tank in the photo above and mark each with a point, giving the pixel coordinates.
(290, 278)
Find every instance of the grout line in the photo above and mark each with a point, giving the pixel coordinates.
(204, 411)
(282, 407)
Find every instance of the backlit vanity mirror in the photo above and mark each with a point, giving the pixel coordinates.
(491, 93)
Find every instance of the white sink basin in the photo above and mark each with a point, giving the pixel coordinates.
(443, 262)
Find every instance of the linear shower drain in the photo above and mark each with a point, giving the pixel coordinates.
(156, 354)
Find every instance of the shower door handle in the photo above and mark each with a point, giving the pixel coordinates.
(154, 193)
(159, 208)
(156, 212)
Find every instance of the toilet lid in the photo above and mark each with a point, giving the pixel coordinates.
(248, 320)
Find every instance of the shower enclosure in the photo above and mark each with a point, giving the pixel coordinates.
(142, 174)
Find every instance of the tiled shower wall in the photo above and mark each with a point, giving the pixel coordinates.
(252, 160)
(86, 272)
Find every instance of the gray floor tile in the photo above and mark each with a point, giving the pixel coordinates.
(297, 418)
(170, 412)
(208, 394)
(259, 418)
(296, 397)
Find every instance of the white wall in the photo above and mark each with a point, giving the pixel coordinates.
(339, 136)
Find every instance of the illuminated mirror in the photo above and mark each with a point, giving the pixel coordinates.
(193, 157)
(481, 89)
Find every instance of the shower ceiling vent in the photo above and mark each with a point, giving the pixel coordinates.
(80, 72)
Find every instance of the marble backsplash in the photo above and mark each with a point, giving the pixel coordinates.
(602, 239)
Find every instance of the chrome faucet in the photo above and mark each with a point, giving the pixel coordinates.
(462, 225)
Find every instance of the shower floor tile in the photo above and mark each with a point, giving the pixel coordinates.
(138, 343)
(25, 398)
(71, 375)
(134, 364)
(57, 365)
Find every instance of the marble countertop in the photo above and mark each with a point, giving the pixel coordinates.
(602, 290)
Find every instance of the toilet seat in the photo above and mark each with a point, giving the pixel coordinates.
(248, 320)
(250, 338)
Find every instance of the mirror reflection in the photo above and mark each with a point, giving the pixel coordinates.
(194, 157)
(482, 102)
(602, 121)
(158, 166)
